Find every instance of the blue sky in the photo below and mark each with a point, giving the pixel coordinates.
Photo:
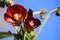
(51, 30)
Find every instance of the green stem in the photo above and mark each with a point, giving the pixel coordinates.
(25, 35)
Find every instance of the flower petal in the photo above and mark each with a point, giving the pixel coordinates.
(20, 12)
(31, 23)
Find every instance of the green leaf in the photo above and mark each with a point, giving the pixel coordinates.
(5, 34)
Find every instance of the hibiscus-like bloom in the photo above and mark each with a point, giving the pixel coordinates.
(15, 14)
(31, 23)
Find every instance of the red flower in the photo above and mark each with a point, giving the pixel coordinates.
(15, 14)
(31, 23)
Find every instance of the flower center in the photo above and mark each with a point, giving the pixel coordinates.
(16, 16)
(31, 23)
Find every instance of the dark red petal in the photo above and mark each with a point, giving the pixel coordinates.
(11, 21)
(28, 26)
(7, 19)
(37, 22)
(11, 10)
(30, 13)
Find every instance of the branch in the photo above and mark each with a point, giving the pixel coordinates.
(44, 22)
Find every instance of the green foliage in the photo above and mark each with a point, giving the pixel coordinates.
(22, 34)
(5, 34)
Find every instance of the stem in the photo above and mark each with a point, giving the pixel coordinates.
(16, 30)
(45, 20)
(38, 12)
(25, 35)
